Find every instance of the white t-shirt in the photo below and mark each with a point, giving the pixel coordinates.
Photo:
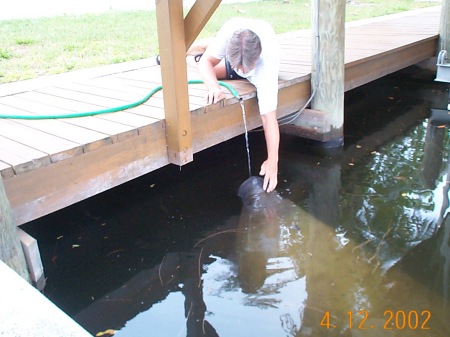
(265, 77)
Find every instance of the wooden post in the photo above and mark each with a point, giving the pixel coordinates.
(328, 71)
(33, 259)
(10, 247)
(172, 49)
(444, 29)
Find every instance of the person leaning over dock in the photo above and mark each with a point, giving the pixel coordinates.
(246, 48)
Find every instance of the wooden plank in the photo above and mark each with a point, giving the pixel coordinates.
(61, 184)
(22, 158)
(362, 73)
(113, 85)
(144, 81)
(311, 124)
(57, 148)
(6, 170)
(172, 48)
(126, 117)
(99, 103)
(196, 92)
(72, 76)
(141, 80)
(112, 90)
(88, 139)
(53, 105)
(151, 75)
(22, 102)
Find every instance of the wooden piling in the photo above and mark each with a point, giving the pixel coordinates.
(10, 247)
(324, 122)
(444, 28)
(327, 80)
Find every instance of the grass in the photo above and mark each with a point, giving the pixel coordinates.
(30, 48)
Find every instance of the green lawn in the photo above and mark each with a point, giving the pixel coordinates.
(30, 48)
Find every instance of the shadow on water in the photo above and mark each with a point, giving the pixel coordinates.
(358, 244)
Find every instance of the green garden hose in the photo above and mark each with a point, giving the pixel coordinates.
(114, 109)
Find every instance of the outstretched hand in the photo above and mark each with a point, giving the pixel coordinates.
(215, 96)
(270, 172)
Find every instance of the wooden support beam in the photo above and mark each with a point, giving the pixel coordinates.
(444, 29)
(10, 248)
(172, 49)
(360, 73)
(311, 124)
(72, 180)
(328, 73)
(196, 19)
(33, 257)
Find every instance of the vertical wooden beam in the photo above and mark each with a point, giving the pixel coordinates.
(10, 247)
(172, 50)
(196, 19)
(444, 29)
(33, 258)
(328, 71)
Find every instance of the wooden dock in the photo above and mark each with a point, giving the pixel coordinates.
(49, 164)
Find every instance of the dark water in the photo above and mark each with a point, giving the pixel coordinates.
(359, 245)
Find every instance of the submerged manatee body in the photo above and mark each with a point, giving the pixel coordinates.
(253, 195)
(263, 217)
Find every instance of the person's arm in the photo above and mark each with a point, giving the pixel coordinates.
(269, 169)
(198, 47)
(207, 68)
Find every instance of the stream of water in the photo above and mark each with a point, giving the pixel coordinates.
(247, 146)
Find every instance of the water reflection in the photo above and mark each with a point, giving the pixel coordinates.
(359, 244)
(384, 214)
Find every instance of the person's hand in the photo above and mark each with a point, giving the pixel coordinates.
(215, 96)
(269, 169)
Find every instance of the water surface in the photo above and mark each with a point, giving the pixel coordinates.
(359, 245)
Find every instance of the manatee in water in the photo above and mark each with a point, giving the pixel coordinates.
(263, 214)
(253, 195)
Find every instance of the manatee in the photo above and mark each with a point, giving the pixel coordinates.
(253, 195)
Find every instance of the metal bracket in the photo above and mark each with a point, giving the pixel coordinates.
(442, 68)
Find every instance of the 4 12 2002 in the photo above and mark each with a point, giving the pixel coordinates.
(393, 320)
